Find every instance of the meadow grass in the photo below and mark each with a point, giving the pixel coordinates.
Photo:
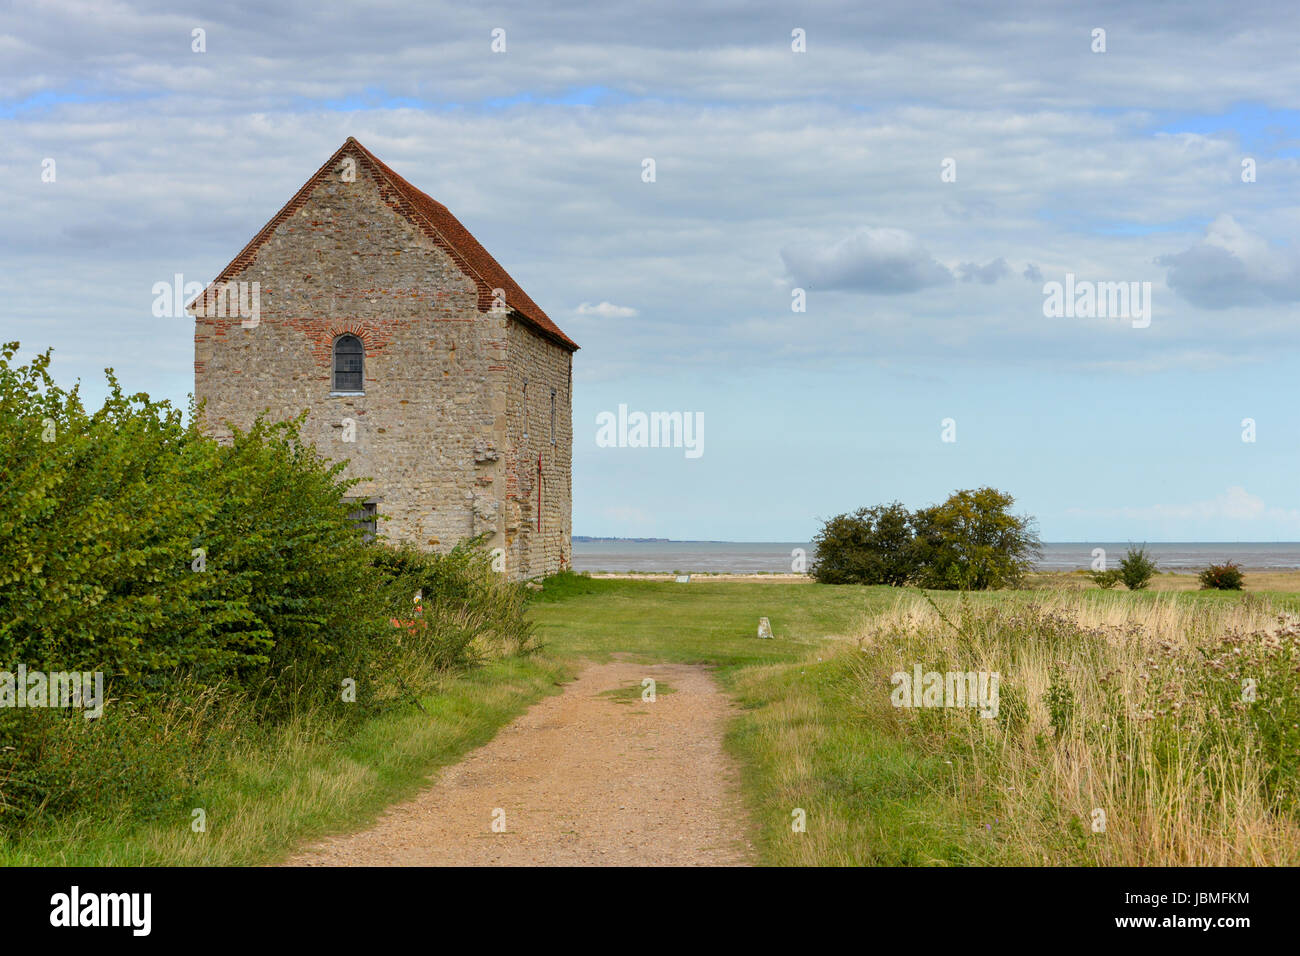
(1124, 734)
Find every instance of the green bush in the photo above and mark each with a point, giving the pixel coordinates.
(869, 546)
(132, 544)
(142, 759)
(466, 612)
(1222, 577)
(973, 542)
(202, 580)
(1105, 579)
(970, 542)
(1136, 568)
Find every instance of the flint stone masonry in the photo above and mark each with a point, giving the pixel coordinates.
(450, 443)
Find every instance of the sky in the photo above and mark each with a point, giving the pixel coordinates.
(840, 258)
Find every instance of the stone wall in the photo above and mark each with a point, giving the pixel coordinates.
(545, 367)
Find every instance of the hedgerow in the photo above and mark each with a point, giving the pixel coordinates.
(201, 579)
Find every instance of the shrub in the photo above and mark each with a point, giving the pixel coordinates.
(1222, 577)
(132, 544)
(1059, 700)
(970, 542)
(200, 579)
(141, 759)
(1136, 568)
(973, 542)
(466, 612)
(1105, 579)
(869, 546)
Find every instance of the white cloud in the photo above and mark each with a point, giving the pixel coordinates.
(1236, 505)
(606, 310)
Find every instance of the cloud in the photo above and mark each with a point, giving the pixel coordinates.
(1233, 267)
(564, 208)
(1033, 273)
(1234, 505)
(986, 274)
(606, 310)
(885, 261)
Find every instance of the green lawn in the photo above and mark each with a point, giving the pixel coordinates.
(712, 622)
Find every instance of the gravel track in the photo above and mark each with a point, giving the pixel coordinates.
(582, 779)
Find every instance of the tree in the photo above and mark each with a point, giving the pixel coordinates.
(1136, 568)
(973, 542)
(869, 546)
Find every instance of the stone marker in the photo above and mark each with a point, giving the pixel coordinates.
(764, 628)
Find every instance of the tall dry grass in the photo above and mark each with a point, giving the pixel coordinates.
(1138, 711)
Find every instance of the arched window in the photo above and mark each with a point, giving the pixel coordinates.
(349, 364)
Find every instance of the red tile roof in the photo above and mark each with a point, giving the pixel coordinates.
(435, 221)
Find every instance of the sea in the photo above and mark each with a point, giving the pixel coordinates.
(750, 557)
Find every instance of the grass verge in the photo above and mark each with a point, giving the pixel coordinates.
(285, 784)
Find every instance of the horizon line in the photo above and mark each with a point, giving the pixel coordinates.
(646, 539)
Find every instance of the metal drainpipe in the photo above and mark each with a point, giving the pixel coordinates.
(539, 491)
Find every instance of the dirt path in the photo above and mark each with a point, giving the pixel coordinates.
(584, 778)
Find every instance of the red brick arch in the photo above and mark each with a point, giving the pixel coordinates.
(323, 333)
(358, 329)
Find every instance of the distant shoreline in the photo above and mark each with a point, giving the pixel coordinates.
(1257, 579)
(1092, 542)
(668, 556)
